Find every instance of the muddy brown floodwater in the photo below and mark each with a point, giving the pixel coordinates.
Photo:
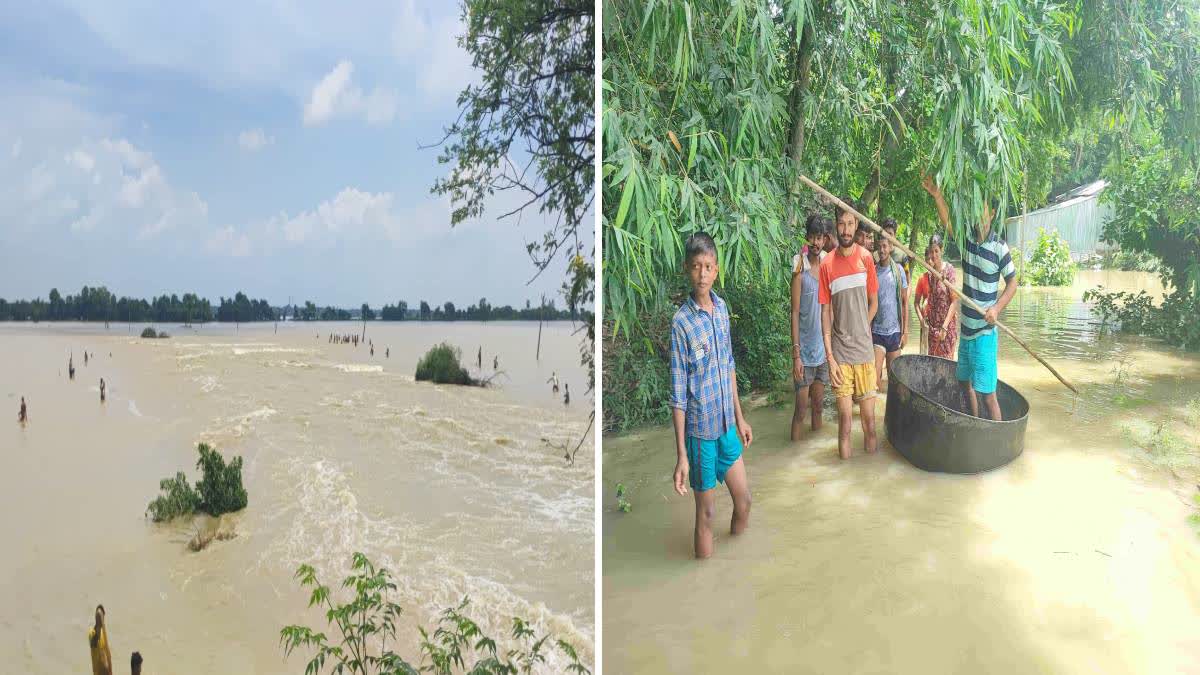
(1078, 557)
(454, 489)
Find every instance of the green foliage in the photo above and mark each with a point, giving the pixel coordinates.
(1130, 261)
(637, 378)
(368, 622)
(441, 365)
(1175, 321)
(760, 327)
(1050, 264)
(149, 332)
(177, 499)
(219, 491)
(623, 504)
(221, 485)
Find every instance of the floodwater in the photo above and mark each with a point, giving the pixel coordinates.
(455, 489)
(1078, 557)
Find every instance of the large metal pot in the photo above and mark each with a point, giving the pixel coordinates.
(928, 419)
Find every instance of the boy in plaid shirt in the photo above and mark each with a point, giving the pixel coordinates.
(709, 426)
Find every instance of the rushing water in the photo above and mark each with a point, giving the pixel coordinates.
(1076, 558)
(455, 489)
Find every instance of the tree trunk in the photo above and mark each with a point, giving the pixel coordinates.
(803, 74)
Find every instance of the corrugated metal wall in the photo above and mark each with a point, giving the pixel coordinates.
(1080, 221)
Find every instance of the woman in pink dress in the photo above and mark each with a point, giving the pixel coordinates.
(937, 308)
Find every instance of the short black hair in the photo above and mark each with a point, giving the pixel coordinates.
(888, 223)
(135, 661)
(816, 224)
(700, 242)
(863, 227)
(838, 210)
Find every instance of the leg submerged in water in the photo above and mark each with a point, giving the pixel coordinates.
(739, 490)
(705, 510)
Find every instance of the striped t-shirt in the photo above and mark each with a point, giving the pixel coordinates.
(983, 265)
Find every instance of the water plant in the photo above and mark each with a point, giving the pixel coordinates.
(149, 332)
(368, 622)
(219, 490)
(623, 504)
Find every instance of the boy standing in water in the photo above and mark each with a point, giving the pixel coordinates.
(848, 295)
(102, 390)
(706, 412)
(984, 261)
(889, 329)
(810, 369)
(23, 416)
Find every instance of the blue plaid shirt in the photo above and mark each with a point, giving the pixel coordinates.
(701, 365)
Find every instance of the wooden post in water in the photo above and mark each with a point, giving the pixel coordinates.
(541, 314)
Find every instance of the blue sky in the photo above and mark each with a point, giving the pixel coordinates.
(217, 146)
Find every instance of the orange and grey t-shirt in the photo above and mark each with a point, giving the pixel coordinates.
(846, 281)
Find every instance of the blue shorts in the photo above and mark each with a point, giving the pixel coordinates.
(890, 343)
(709, 460)
(977, 362)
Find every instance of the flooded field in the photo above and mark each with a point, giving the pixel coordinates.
(457, 490)
(1078, 557)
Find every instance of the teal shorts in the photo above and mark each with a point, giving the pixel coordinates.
(709, 460)
(977, 362)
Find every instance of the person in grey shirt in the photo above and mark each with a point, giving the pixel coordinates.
(810, 367)
(889, 329)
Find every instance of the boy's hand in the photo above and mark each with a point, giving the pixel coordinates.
(797, 370)
(903, 339)
(991, 315)
(681, 476)
(835, 373)
(745, 432)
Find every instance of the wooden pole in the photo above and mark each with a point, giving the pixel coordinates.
(971, 303)
(541, 314)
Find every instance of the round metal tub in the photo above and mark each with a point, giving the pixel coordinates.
(929, 420)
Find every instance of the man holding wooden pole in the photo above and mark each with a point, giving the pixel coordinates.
(985, 261)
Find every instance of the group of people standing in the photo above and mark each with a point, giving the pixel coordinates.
(23, 412)
(849, 321)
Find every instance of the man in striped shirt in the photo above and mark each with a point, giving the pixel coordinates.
(985, 261)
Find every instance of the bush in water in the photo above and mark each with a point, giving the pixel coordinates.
(441, 366)
(369, 621)
(1174, 321)
(149, 333)
(221, 487)
(177, 499)
(1050, 264)
(219, 491)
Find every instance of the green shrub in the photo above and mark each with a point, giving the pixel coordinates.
(364, 626)
(221, 487)
(1173, 322)
(148, 332)
(623, 504)
(177, 499)
(637, 376)
(441, 365)
(1130, 261)
(1050, 263)
(219, 491)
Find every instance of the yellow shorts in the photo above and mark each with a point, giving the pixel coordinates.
(858, 381)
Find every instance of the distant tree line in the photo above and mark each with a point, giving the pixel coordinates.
(99, 304)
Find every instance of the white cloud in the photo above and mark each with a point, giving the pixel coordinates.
(337, 96)
(254, 140)
(227, 241)
(429, 45)
(83, 160)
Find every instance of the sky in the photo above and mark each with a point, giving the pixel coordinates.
(271, 148)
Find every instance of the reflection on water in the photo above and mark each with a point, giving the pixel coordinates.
(1077, 557)
(454, 489)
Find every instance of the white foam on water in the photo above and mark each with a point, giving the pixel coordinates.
(134, 409)
(358, 368)
(242, 351)
(207, 383)
(324, 526)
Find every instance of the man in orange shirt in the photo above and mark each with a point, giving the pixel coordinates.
(848, 293)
